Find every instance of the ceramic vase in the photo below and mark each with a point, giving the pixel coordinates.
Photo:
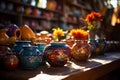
(57, 54)
(19, 45)
(11, 61)
(30, 57)
(81, 50)
(102, 46)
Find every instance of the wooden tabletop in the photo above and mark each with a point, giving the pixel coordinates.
(90, 70)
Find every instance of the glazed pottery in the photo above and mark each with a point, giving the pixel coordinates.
(3, 49)
(28, 11)
(27, 33)
(94, 46)
(12, 31)
(30, 57)
(41, 47)
(10, 60)
(81, 50)
(20, 9)
(102, 46)
(4, 38)
(2, 5)
(57, 54)
(19, 45)
(51, 5)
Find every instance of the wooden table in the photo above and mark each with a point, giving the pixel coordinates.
(93, 69)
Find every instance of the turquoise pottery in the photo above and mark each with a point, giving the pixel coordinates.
(41, 47)
(102, 46)
(57, 54)
(30, 57)
(19, 45)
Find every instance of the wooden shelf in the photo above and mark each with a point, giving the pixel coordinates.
(39, 18)
(28, 5)
(9, 13)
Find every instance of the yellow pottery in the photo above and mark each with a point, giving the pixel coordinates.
(27, 33)
(4, 39)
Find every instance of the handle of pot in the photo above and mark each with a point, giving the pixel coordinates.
(17, 34)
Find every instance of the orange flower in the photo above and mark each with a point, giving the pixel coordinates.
(94, 16)
(79, 34)
(92, 19)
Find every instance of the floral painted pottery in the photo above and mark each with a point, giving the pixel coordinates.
(19, 45)
(57, 54)
(4, 38)
(30, 57)
(81, 50)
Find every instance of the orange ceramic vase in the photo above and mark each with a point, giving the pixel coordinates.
(26, 33)
(4, 39)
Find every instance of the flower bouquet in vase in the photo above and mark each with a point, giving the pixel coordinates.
(81, 50)
(94, 24)
(57, 53)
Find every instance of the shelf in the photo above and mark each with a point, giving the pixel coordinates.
(40, 18)
(73, 23)
(8, 13)
(28, 5)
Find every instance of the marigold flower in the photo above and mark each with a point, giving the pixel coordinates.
(57, 34)
(92, 19)
(79, 34)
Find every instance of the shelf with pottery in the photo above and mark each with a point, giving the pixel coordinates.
(26, 11)
(29, 5)
(73, 11)
(93, 69)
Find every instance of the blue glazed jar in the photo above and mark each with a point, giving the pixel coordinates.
(93, 43)
(30, 57)
(19, 45)
(41, 47)
(102, 46)
(57, 54)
